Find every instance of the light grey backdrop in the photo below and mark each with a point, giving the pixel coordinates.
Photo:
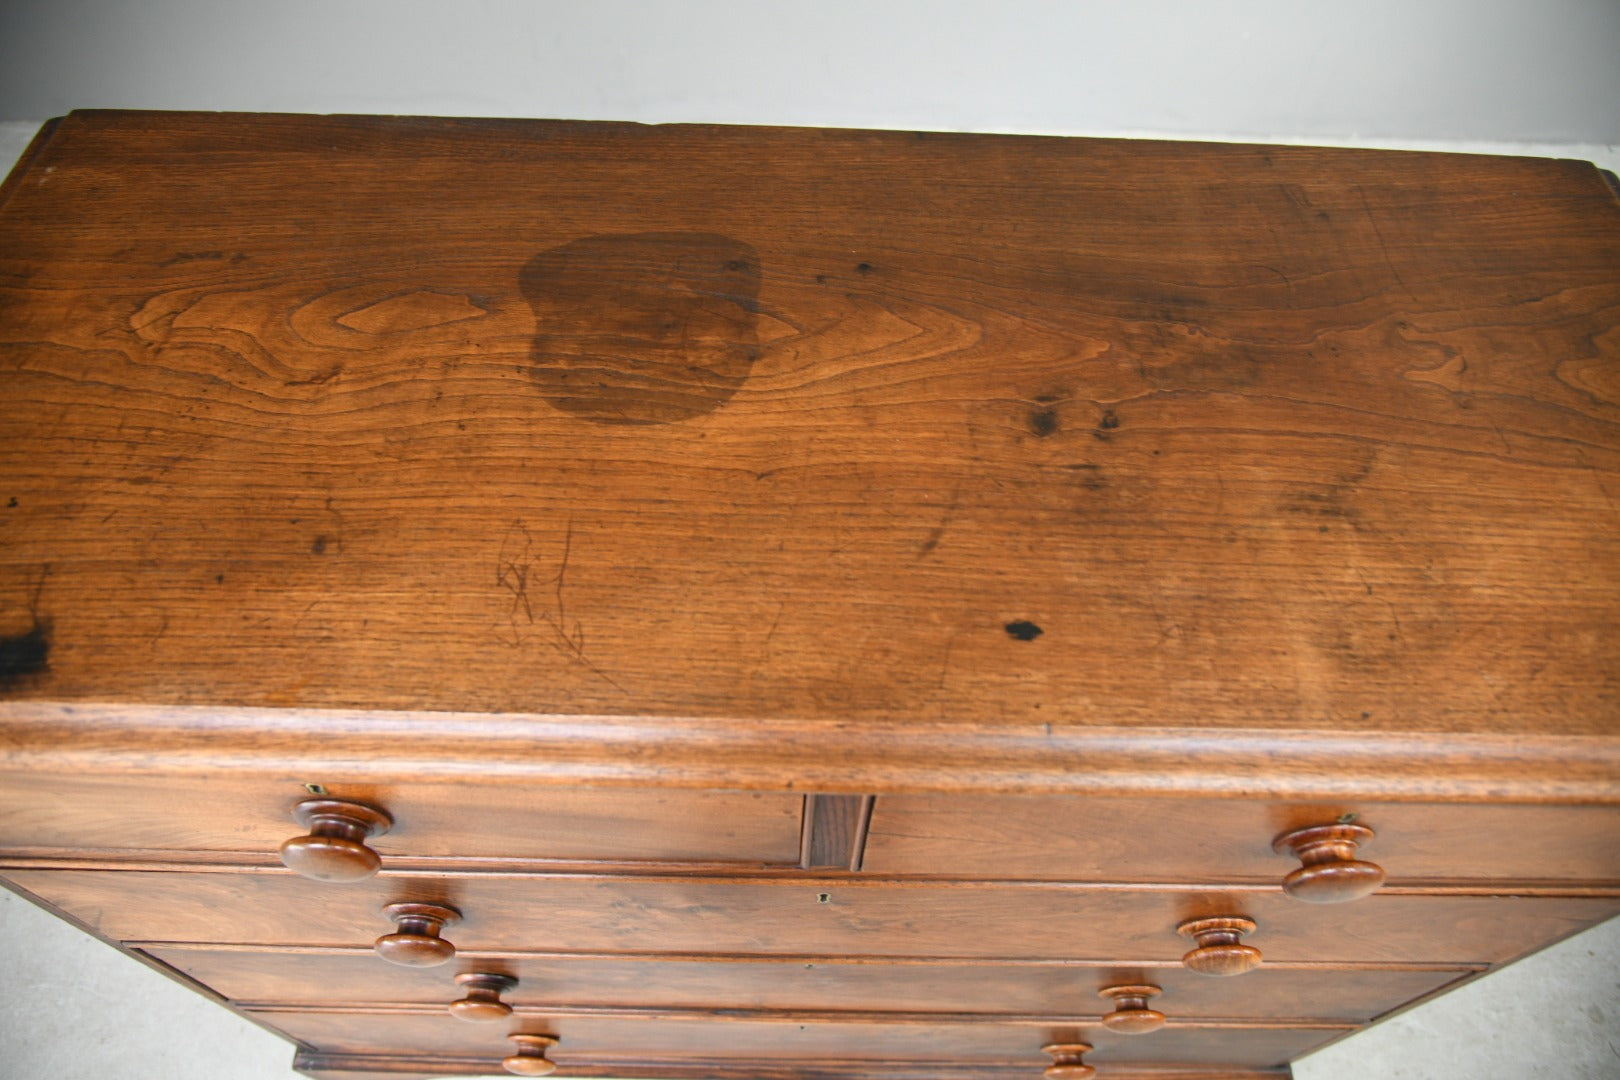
(1484, 70)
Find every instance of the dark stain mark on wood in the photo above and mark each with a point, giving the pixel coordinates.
(863, 268)
(643, 328)
(1106, 426)
(319, 546)
(11, 503)
(1023, 630)
(1043, 422)
(25, 655)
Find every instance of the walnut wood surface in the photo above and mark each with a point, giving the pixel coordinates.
(528, 1057)
(144, 809)
(505, 416)
(334, 849)
(1131, 1014)
(481, 996)
(602, 913)
(1230, 839)
(1329, 872)
(1220, 949)
(271, 975)
(1067, 1061)
(835, 831)
(741, 1040)
(180, 744)
(417, 939)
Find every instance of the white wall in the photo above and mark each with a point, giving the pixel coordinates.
(1475, 70)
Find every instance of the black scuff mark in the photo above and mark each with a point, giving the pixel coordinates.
(26, 655)
(1023, 630)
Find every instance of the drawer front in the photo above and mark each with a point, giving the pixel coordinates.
(1074, 838)
(583, 1040)
(800, 916)
(358, 977)
(430, 820)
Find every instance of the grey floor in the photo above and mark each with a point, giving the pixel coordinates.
(71, 1007)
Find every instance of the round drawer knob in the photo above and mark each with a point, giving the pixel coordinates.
(529, 1057)
(415, 941)
(483, 1000)
(1331, 873)
(335, 848)
(1131, 1015)
(1066, 1063)
(1220, 945)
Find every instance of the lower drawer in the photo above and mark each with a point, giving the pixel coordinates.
(587, 1040)
(260, 977)
(805, 916)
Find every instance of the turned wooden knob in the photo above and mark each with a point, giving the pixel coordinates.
(1331, 873)
(1066, 1063)
(483, 1000)
(335, 848)
(1220, 945)
(1131, 1015)
(415, 941)
(529, 1058)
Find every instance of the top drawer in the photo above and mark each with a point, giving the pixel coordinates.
(1230, 840)
(429, 820)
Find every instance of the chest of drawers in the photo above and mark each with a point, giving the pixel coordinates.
(786, 603)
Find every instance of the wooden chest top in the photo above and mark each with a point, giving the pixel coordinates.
(602, 420)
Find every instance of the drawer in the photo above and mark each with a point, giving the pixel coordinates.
(585, 1040)
(267, 976)
(805, 916)
(508, 821)
(1226, 840)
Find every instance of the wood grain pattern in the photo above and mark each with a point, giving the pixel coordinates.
(1013, 430)
(835, 831)
(372, 747)
(587, 494)
(213, 813)
(1230, 840)
(272, 976)
(762, 917)
(742, 1041)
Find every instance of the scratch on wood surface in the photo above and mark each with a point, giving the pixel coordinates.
(512, 574)
(1597, 478)
(563, 632)
(937, 533)
(781, 607)
(1383, 247)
